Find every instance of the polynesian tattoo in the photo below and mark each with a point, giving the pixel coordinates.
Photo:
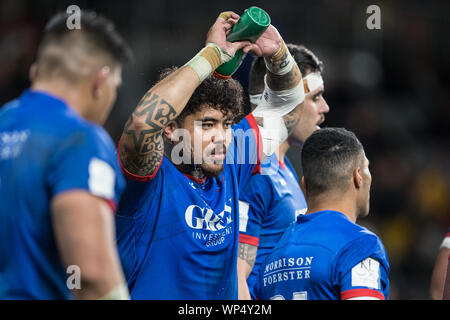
(142, 146)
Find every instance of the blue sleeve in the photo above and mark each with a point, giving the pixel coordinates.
(255, 201)
(87, 160)
(245, 150)
(362, 269)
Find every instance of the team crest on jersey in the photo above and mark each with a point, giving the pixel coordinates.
(210, 228)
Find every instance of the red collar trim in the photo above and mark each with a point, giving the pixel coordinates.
(198, 180)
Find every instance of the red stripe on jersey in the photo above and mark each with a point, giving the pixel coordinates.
(245, 238)
(112, 204)
(132, 176)
(354, 293)
(198, 180)
(252, 122)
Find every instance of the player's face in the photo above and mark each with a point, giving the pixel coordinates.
(313, 114)
(107, 94)
(363, 204)
(210, 133)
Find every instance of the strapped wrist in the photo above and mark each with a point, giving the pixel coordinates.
(281, 62)
(207, 60)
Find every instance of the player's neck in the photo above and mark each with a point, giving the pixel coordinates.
(282, 150)
(333, 202)
(63, 91)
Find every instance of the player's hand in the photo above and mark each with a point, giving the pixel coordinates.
(267, 44)
(218, 32)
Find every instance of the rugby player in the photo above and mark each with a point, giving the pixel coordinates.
(177, 224)
(271, 200)
(325, 255)
(59, 176)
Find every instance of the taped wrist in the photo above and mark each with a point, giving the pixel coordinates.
(281, 62)
(271, 108)
(207, 60)
(120, 292)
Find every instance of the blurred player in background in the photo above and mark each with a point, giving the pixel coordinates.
(59, 177)
(271, 200)
(438, 276)
(177, 224)
(325, 255)
(446, 294)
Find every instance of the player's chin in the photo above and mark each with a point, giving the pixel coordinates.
(212, 169)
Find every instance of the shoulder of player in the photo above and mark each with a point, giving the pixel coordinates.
(359, 242)
(340, 230)
(352, 231)
(76, 133)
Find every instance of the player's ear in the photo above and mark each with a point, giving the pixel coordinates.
(32, 73)
(99, 81)
(169, 130)
(303, 185)
(357, 178)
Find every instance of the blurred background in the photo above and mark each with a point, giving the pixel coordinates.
(390, 86)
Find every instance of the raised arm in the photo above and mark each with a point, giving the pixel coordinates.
(141, 146)
(280, 107)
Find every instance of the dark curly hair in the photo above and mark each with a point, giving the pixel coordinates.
(224, 95)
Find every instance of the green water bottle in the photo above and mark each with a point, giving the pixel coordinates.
(250, 26)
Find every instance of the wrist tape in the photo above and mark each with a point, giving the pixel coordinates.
(120, 292)
(281, 102)
(282, 62)
(207, 60)
(271, 108)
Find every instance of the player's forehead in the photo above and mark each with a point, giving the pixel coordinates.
(208, 112)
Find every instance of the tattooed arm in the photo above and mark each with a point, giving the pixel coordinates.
(141, 146)
(282, 74)
(246, 261)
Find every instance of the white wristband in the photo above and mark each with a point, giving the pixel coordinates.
(255, 98)
(282, 62)
(207, 60)
(120, 292)
(446, 243)
(281, 102)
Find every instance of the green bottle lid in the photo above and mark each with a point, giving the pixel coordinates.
(250, 26)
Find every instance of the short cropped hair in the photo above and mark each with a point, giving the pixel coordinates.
(224, 95)
(329, 157)
(65, 51)
(305, 59)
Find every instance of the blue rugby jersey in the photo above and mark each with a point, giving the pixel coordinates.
(45, 149)
(177, 236)
(269, 203)
(325, 256)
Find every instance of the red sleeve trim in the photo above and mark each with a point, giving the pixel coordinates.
(132, 176)
(353, 293)
(245, 238)
(252, 122)
(112, 205)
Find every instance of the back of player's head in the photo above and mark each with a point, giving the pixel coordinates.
(73, 53)
(224, 95)
(329, 157)
(306, 60)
